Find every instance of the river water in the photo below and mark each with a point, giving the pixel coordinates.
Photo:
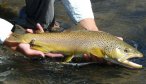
(125, 18)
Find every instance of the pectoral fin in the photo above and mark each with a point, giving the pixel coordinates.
(40, 46)
(97, 52)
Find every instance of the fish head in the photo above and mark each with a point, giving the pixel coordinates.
(122, 54)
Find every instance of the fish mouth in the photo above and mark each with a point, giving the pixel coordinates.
(127, 62)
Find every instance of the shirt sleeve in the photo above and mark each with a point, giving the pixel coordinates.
(78, 9)
(5, 30)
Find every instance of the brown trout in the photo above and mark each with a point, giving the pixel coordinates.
(100, 44)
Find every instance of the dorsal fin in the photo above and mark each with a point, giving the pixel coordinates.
(19, 29)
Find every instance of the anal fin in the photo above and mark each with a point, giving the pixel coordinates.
(68, 58)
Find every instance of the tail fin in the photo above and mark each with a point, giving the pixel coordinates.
(19, 29)
(14, 38)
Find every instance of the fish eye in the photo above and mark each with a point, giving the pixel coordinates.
(126, 50)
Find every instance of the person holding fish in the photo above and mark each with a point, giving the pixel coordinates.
(41, 14)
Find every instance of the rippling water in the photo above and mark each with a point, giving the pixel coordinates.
(126, 18)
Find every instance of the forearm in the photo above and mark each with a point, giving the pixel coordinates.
(89, 24)
(81, 13)
(5, 31)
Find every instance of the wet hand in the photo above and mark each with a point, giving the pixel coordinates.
(120, 38)
(92, 58)
(26, 50)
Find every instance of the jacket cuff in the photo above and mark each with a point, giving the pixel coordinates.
(5, 30)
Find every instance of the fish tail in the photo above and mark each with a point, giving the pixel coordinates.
(14, 37)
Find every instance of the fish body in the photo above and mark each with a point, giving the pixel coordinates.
(100, 44)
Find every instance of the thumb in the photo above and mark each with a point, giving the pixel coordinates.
(39, 28)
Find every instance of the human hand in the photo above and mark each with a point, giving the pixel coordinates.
(26, 50)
